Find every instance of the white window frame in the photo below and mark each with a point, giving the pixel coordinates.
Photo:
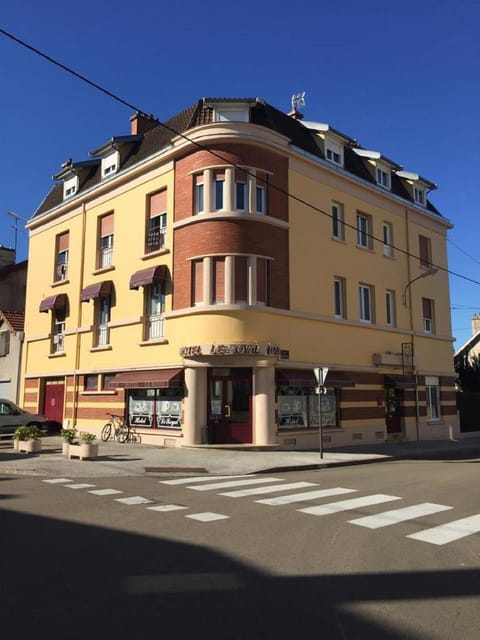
(199, 197)
(419, 195)
(338, 221)
(388, 239)
(154, 311)
(260, 198)
(233, 114)
(334, 152)
(429, 323)
(219, 193)
(364, 231)
(339, 297)
(390, 308)
(110, 164)
(4, 343)
(382, 176)
(432, 398)
(243, 186)
(366, 303)
(70, 187)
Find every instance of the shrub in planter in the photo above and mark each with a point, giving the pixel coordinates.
(68, 437)
(86, 448)
(27, 438)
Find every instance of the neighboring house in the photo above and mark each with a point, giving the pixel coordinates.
(471, 348)
(192, 275)
(13, 277)
(11, 341)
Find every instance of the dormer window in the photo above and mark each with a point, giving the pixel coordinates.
(383, 177)
(110, 164)
(237, 113)
(419, 195)
(70, 187)
(334, 152)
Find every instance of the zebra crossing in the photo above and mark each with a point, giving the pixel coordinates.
(247, 486)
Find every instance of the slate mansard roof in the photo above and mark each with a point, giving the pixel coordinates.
(160, 135)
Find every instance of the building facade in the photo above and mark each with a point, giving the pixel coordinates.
(192, 275)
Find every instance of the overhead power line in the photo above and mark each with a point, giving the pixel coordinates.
(203, 147)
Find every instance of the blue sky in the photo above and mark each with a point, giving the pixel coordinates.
(403, 79)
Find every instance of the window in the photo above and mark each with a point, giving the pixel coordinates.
(428, 315)
(58, 332)
(338, 227)
(387, 239)
(110, 164)
(106, 379)
(432, 392)
(390, 308)
(339, 305)
(70, 187)
(219, 184)
(103, 318)
(4, 343)
(383, 178)
(105, 250)
(419, 195)
(241, 279)
(365, 294)
(90, 382)
(364, 237)
(241, 181)
(154, 310)
(263, 281)
(232, 115)
(334, 152)
(197, 282)
(157, 222)
(218, 280)
(61, 261)
(425, 251)
(299, 408)
(260, 193)
(198, 193)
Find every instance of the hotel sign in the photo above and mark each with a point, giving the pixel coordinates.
(233, 349)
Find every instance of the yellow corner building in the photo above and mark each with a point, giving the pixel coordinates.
(240, 275)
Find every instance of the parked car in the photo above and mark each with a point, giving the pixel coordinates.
(11, 417)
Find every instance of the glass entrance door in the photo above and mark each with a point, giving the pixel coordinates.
(230, 404)
(393, 409)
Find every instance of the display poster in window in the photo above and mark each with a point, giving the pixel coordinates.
(329, 410)
(140, 412)
(169, 413)
(292, 411)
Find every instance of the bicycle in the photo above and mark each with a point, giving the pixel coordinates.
(121, 431)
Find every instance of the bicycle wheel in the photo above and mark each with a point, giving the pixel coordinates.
(122, 434)
(106, 431)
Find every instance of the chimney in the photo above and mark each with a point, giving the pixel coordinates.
(141, 123)
(7, 256)
(475, 323)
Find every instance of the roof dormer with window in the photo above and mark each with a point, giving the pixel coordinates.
(330, 141)
(230, 110)
(73, 175)
(114, 152)
(416, 186)
(379, 167)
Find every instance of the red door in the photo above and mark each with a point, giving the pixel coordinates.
(53, 401)
(230, 406)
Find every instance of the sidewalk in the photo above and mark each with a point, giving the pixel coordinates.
(141, 460)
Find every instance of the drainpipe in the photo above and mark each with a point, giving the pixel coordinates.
(79, 320)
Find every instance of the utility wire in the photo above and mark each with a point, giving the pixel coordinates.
(215, 154)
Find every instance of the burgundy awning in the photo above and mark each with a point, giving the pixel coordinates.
(306, 378)
(296, 377)
(53, 302)
(338, 379)
(401, 382)
(152, 275)
(160, 378)
(97, 290)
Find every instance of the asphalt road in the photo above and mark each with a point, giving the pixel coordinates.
(192, 562)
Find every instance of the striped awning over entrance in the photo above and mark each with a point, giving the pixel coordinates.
(160, 378)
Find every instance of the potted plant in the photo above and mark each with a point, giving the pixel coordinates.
(27, 438)
(68, 437)
(86, 448)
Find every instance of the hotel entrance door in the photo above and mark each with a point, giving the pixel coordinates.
(230, 405)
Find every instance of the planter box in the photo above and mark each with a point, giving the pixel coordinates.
(15, 444)
(83, 451)
(29, 446)
(65, 448)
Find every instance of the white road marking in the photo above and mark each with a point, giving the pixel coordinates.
(207, 516)
(105, 492)
(57, 480)
(449, 532)
(167, 507)
(234, 483)
(83, 485)
(395, 516)
(199, 479)
(308, 495)
(133, 500)
(182, 583)
(276, 487)
(345, 505)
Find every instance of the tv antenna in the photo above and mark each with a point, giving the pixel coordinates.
(298, 100)
(16, 227)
